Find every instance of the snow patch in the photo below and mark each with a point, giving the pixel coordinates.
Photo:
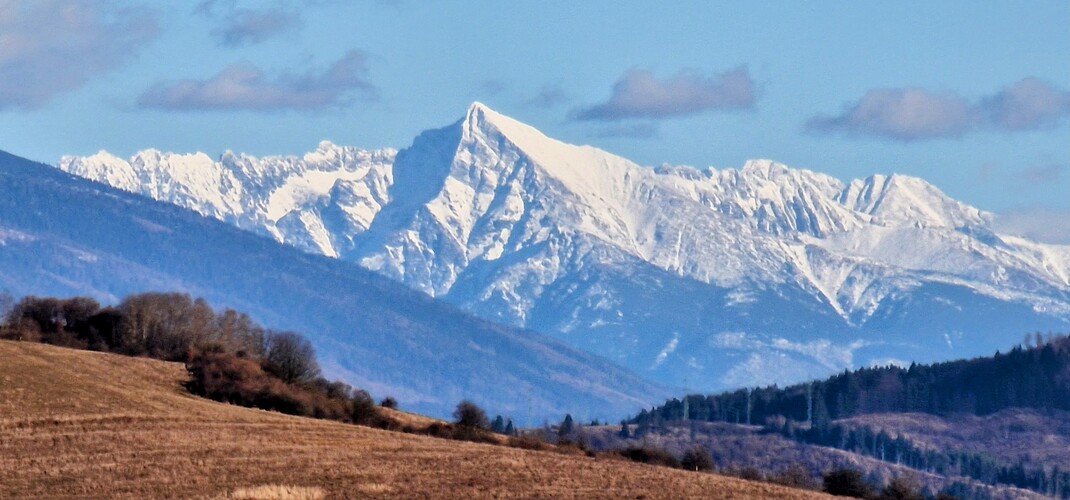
(665, 352)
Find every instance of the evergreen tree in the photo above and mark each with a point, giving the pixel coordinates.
(567, 428)
(498, 425)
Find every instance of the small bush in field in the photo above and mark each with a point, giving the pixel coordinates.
(363, 411)
(697, 459)
(750, 474)
(389, 402)
(847, 483)
(468, 414)
(796, 476)
(902, 488)
(651, 456)
(528, 443)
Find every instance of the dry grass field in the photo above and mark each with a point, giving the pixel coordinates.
(83, 424)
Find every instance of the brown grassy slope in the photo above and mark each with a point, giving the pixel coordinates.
(90, 424)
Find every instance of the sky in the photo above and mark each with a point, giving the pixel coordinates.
(973, 98)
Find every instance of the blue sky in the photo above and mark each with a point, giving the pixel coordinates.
(975, 99)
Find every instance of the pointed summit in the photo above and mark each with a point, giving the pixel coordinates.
(477, 107)
(482, 119)
(584, 169)
(639, 263)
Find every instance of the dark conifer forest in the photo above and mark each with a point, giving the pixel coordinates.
(1034, 376)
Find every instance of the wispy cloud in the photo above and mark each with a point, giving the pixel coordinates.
(633, 131)
(912, 114)
(493, 87)
(1045, 174)
(548, 96)
(1047, 225)
(48, 47)
(246, 87)
(237, 26)
(902, 114)
(639, 94)
(1026, 105)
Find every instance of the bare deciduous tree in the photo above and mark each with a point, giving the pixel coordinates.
(469, 414)
(291, 357)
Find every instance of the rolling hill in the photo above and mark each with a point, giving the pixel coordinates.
(1000, 420)
(78, 423)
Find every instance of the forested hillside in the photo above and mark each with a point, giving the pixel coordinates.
(856, 411)
(1030, 376)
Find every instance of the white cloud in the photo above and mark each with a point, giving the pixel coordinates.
(1028, 104)
(910, 114)
(238, 26)
(1045, 174)
(639, 94)
(244, 87)
(904, 114)
(49, 47)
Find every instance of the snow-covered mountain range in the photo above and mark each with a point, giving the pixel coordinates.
(61, 236)
(704, 278)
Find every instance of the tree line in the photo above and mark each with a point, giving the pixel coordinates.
(1031, 376)
(1035, 375)
(229, 357)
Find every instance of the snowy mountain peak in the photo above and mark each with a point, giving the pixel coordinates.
(639, 264)
(764, 168)
(905, 200)
(483, 123)
(480, 116)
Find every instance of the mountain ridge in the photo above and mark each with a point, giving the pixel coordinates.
(490, 214)
(61, 235)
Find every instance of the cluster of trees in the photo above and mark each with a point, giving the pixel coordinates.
(278, 384)
(851, 483)
(504, 426)
(165, 326)
(229, 356)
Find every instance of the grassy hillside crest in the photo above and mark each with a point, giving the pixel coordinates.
(95, 424)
